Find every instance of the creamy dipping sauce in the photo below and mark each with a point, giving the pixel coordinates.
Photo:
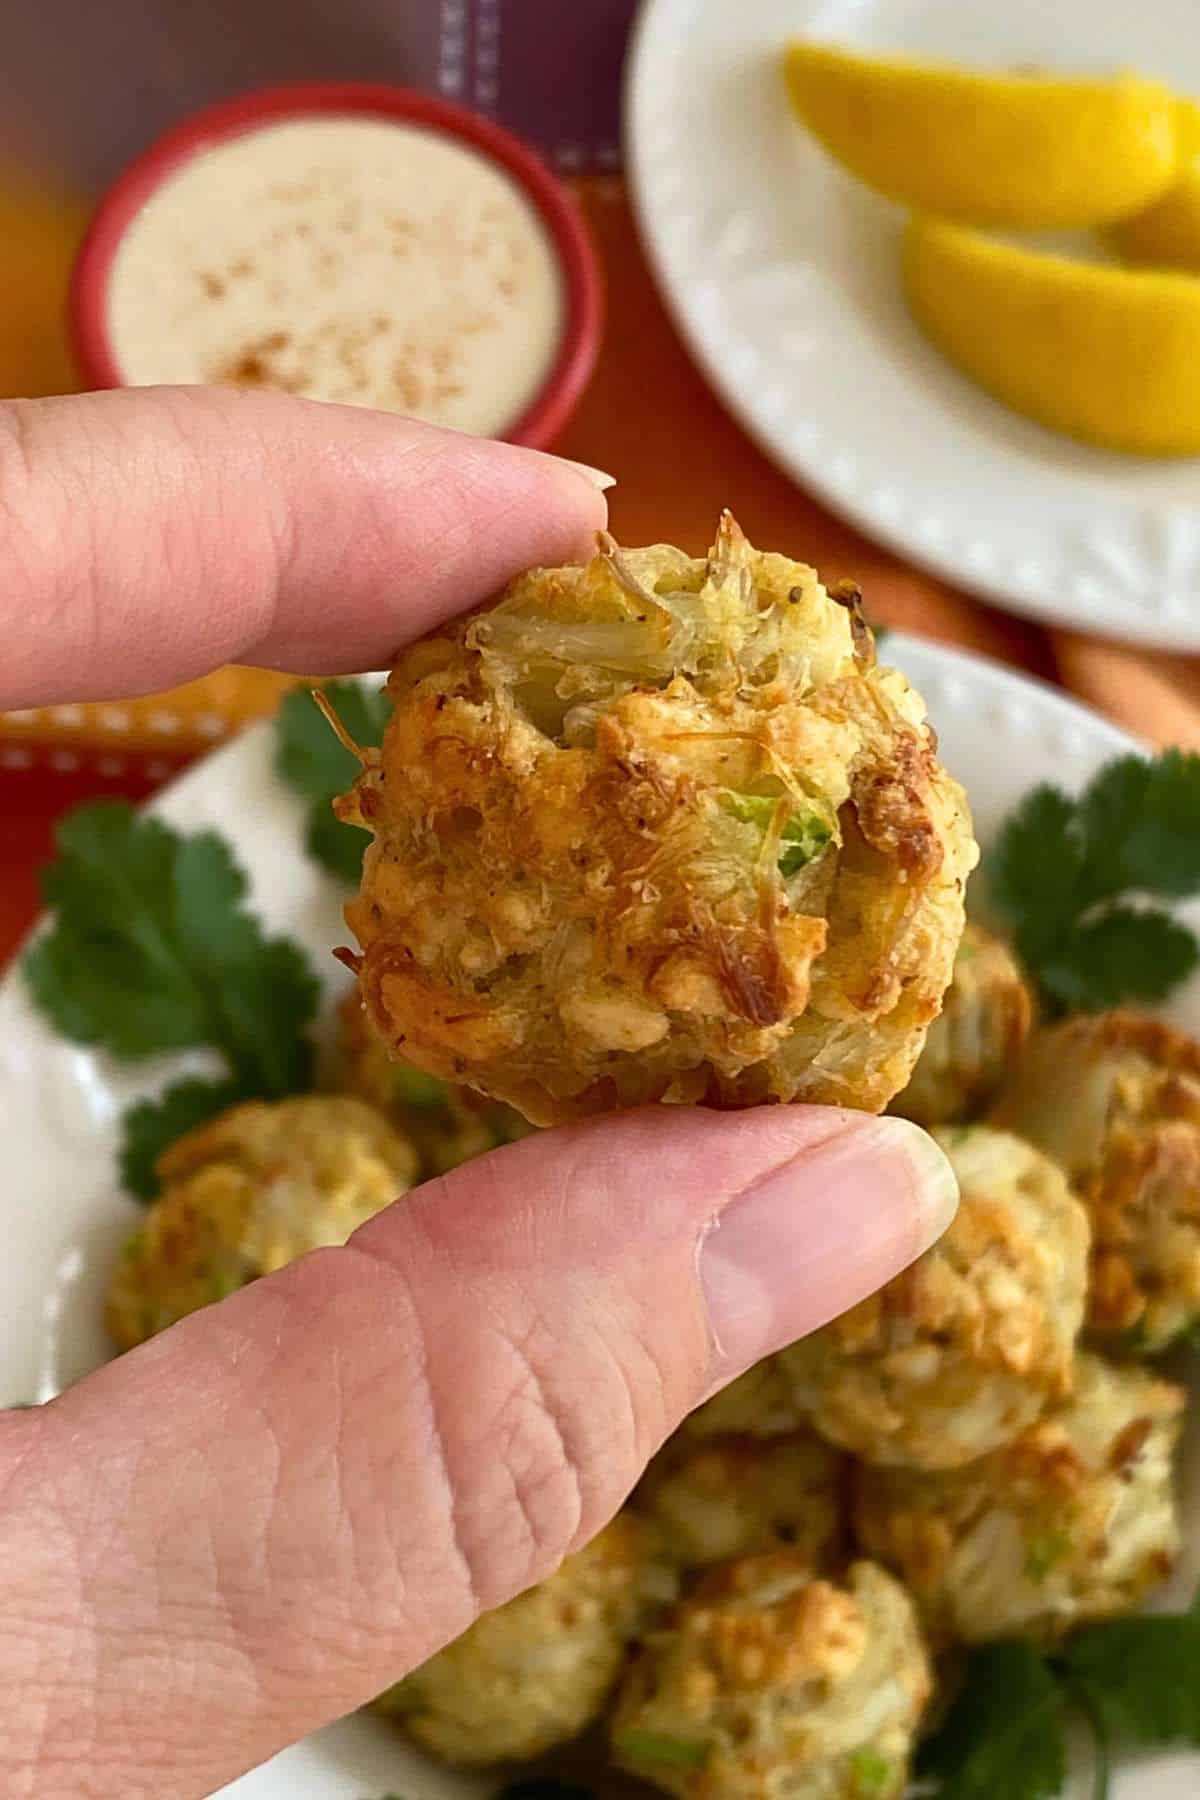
(346, 259)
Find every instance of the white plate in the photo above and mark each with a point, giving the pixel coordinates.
(62, 1218)
(783, 275)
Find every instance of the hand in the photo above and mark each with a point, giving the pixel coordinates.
(266, 1515)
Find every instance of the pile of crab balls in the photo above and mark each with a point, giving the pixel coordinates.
(983, 1449)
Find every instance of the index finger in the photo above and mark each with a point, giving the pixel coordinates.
(151, 534)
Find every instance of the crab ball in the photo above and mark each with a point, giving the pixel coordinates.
(245, 1194)
(534, 1673)
(1115, 1100)
(768, 1683)
(735, 1496)
(448, 1125)
(975, 1039)
(759, 1403)
(968, 1346)
(658, 828)
(1075, 1521)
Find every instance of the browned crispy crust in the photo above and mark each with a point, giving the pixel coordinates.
(561, 909)
(1116, 1099)
(977, 1039)
(1075, 1520)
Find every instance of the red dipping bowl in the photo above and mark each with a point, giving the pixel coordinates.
(550, 408)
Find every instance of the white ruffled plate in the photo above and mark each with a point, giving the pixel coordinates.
(783, 275)
(62, 1217)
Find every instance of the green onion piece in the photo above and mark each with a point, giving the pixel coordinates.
(415, 1088)
(1045, 1553)
(872, 1773)
(804, 835)
(656, 1747)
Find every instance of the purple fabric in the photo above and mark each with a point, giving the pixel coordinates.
(84, 84)
(562, 87)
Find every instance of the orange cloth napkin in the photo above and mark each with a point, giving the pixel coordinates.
(1154, 694)
(649, 419)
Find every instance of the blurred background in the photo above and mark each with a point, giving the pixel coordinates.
(85, 86)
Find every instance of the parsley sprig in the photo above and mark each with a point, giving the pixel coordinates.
(1075, 879)
(1133, 1681)
(152, 949)
(310, 758)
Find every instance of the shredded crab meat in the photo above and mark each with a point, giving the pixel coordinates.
(694, 771)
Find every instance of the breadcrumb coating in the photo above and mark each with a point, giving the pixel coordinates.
(736, 1496)
(448, 1125)
(658, 828)
(968, 1346)
(768, 1683)
(1115, 1100)
(248, 1192)
(1077, 1520)
(977, 1037)
(535, 1673)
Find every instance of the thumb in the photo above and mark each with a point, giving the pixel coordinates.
(265, 1516)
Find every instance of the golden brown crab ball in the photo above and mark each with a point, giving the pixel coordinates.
(447, 1124)
(1115, 1100)
(1075, 1521)
(759, 1403)
(767, 1683)
(735, 1496)
(968, 1346)
(535, 1673)
(658, 828)
(976, 1038)
(247, 1193)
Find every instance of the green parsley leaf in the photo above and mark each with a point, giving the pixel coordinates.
(310, 758)
(152, 1126)
(1141, 824)
(152, 949)
(1034, 867)
(1063, 872)
(337, 846)
(1122, 955)
(307, 753)
(1003, 1736)
(1139, 1676)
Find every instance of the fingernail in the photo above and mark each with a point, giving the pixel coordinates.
(819, 1234)
(596, 477)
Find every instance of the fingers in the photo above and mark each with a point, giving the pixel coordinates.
(150, 535)
(274, 1510)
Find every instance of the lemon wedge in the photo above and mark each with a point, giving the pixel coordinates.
(1167, 234)
(1027, 151)
(1105, 354)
